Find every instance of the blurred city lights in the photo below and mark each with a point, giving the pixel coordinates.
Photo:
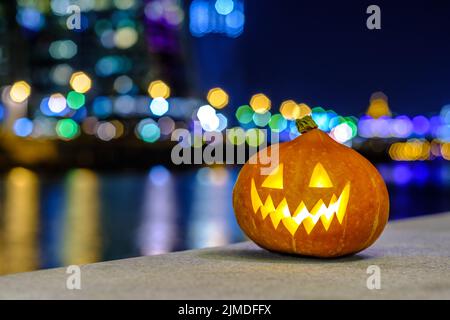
(158, 89)
(123, 84)
(412, 150)
(221, 16)
(124, 105)
(89, 125)
(224, 7)
(63, 49)
(208, 118)
(244, 114)
(23, 127)
(106, 131)
(102, 107)
(67, 129)
(260, 103)
(159, 106)
(261, 119)
(124, 4)
(342, 133)
(305, 110)
(30, 18)
(421, 125)
(57, 103)
(75, 100)
(148, 130)
(166, 125)
(125, 38)
(277, 123)
(80, 82)
(60, 74)
(218, 98)
(20, 91)
(290, 110)
(379, 106)
(223, 122)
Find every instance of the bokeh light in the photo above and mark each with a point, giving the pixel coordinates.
(260, 103)
(379, 106)
(67, 129)
(244, 114)
(75, 100)
(277, 123)
(125, 38)
(80, 82)
(218, 98)
(23, 127)
(57, 103)
(159, 106)
(20, 91)
(208, 118)
(224, 7)
(106, 131)
(261, 119)
(63, 49)
(148, 130)
(158, 89)
(290, 110)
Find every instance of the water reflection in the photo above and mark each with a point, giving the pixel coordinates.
(158, 231)
(20, 248)
(211, 209)
(85, 216)
(81, 243)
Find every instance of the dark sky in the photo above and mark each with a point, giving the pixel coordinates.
(321, 52)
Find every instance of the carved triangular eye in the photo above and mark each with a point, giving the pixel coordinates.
(320, 178)
(275, 179)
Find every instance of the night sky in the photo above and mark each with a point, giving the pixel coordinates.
(321, 53)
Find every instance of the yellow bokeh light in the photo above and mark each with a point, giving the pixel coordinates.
(304, 110)
(290, 110)
(20, 91)
(445, 151)
(218, 98)
(379, 106)
(158, 89)
(80, 82)
(125, 38)
(411, 150)
(260, 103)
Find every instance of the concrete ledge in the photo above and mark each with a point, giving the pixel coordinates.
(414, 257)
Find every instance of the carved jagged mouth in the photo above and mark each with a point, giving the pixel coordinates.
(308, 218)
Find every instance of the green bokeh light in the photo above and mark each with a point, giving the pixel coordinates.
(67, 128)
(277, 123)
(75, 100)
(244, 114)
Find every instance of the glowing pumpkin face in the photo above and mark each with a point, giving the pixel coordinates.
(321, 199)
(321, 211)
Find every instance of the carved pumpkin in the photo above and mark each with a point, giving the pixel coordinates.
(321, 199)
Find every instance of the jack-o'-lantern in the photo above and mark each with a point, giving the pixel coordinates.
(321, 199)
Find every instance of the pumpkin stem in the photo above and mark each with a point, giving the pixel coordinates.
(306, 124)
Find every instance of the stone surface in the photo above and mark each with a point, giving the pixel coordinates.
(413, 256)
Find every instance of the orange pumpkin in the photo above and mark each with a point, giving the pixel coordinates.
(321, 199)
